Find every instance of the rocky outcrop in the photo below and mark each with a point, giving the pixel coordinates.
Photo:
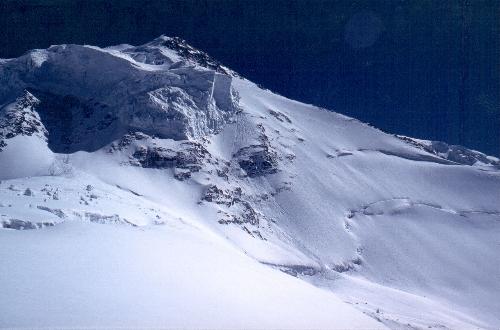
(235, 209)
(280, 116)
(186, 52)
(190, 156)
(184, 157)
(257, 160)
(454, 153)
(21, 118)
(214, 194)
(24, 225)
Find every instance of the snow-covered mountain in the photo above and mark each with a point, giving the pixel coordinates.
(151, 186)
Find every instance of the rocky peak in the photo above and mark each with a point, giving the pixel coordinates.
(21, 118)
(189, 53)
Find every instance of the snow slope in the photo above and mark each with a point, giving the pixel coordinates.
(90, 275)
(151, 186)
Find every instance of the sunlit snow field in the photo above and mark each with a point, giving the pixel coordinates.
(272, 213)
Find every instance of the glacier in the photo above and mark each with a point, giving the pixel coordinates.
(151, 186)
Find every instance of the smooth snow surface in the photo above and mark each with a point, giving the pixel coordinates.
(151, 186)
(89, 275)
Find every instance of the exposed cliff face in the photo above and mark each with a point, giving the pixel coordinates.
(21, 118)
(89, 97)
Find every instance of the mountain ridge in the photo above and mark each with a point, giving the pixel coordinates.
(172, 143)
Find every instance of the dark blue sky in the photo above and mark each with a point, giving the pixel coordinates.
(424, 68)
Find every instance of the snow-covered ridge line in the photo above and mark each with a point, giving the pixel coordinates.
(455, 153)
(177, 93)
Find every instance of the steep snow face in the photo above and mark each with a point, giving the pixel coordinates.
(89, 97)
(364, 204)
(224, 190)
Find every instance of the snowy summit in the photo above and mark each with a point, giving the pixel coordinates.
(151, 186)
